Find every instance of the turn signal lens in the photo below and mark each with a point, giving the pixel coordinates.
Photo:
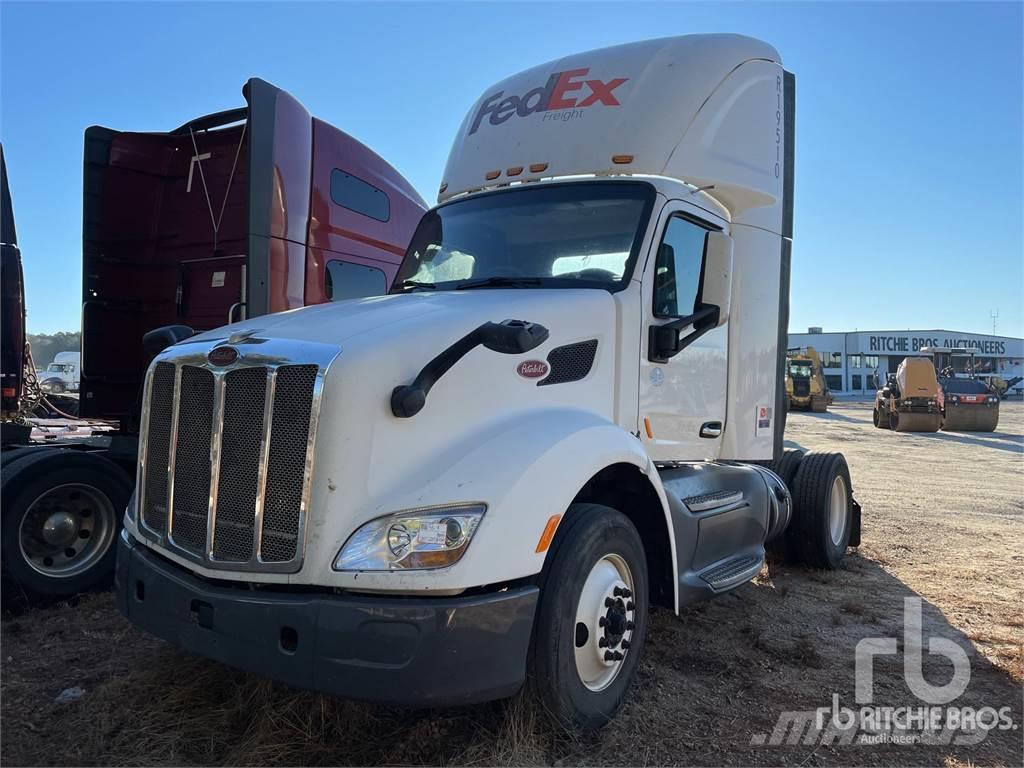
(622, 159)
(548, 533)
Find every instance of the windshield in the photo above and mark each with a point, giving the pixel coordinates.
(800, 370)
(564, 235)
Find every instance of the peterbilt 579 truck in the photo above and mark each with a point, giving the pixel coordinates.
(568, 409)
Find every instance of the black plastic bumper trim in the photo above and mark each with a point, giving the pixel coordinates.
(407, 651)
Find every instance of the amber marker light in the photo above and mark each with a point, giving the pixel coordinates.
(548, 533)
(647, 426)
(538, 167)
(622, 159)
(492, 175)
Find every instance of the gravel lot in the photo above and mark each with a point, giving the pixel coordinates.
(943, 520)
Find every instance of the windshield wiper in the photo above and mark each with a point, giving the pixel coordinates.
(413, 284)
(500, 282)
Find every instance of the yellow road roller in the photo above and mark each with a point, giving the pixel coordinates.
(909, 401)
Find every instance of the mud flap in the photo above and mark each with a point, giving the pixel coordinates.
(855, 524)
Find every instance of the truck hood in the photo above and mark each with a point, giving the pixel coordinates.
(434, 319)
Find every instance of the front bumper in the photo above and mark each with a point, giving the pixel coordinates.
(410, 651)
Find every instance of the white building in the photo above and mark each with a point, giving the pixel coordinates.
(855, 361)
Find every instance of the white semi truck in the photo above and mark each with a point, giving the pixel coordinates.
(566, 410)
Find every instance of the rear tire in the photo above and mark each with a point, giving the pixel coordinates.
(819, 404)
(596, 551)
(822, 509)
(62, 512)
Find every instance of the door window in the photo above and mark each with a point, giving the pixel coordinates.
(345, 280)
(678, 268)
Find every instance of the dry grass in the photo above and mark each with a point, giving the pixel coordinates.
(942, 521)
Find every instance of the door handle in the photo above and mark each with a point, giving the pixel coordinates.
(711, 429)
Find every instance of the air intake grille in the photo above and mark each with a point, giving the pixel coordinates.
(242, 437)
(570, 363)
(192, 458)
(286, 462)
(244, 400)
(154, 504)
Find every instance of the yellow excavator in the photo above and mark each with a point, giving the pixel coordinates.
(909, 401)
(806, 388)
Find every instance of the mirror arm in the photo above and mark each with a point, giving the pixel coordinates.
(510, 337)
(664, 342)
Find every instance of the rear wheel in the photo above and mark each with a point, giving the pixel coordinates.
(823, 509)
(819, 404)
(62, 510)
(592, 617)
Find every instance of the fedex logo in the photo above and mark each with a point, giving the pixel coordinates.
(563, 90)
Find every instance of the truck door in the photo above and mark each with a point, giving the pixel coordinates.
(682, 409)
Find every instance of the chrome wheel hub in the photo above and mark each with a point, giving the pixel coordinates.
(67, 529)
(605, 621)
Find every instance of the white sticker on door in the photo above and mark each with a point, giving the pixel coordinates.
(763, 425)
(218, 280)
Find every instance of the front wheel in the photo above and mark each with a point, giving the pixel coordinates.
(592, 617)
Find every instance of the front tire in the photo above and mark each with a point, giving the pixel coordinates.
(880, 419)
(592, 617)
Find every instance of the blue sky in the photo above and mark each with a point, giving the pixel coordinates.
(909, 177)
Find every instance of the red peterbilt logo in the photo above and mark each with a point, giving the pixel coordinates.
(532, 369)
(560, 92)
(222, 355)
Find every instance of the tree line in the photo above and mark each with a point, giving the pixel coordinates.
(46, 345)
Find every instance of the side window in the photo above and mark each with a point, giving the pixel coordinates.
(344, 280)
(678, 268)
(360, 196)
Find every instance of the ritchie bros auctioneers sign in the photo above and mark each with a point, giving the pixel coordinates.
(911, 342)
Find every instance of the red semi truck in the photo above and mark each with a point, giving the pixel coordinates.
(241, 213)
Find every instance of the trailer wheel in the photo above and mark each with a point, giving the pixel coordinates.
(823, 509)
(62, 511)
(592, 619)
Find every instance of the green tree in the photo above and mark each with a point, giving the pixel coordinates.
(46, 345)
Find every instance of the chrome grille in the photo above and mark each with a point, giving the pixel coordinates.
(229, 451)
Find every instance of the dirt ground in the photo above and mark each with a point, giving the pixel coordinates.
(943, 520)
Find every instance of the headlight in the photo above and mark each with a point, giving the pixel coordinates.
(417, 539)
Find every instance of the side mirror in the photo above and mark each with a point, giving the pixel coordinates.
(718, 274)
(510, 337)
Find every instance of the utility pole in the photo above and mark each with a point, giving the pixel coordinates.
(995, 316)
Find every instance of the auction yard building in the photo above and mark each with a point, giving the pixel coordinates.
(855, 361)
